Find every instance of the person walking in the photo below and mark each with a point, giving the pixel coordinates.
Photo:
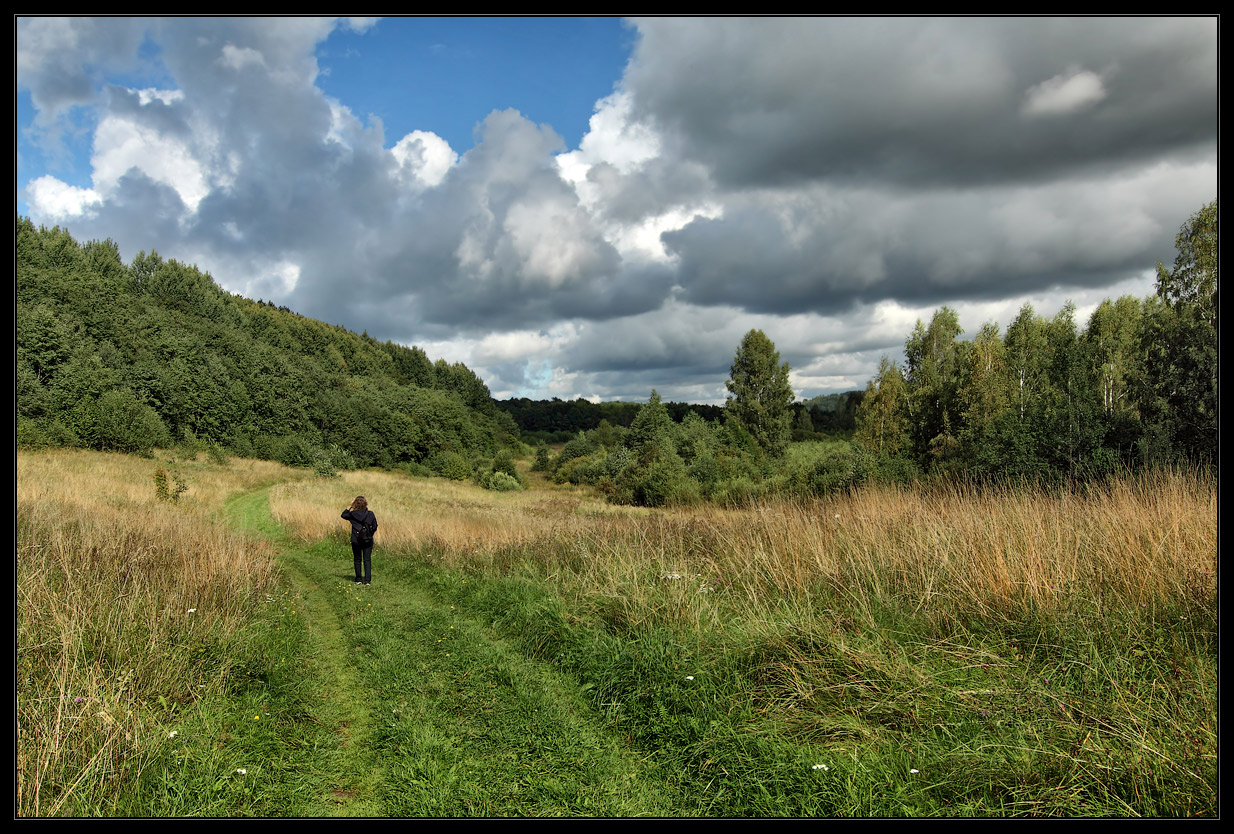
(363, 526)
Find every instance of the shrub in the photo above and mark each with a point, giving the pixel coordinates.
(896, 470)
(127, 425)
(218, 455)
(838, 468)
(294, 450)
(40, 434)
(578, 447)
(450, 465)
(502, 482)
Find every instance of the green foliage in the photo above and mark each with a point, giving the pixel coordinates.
(761, 396)
(450, 465)
(835, 468)
(502, 474)
(934, 360)
(882, 418)
(159, 344)
(578, 447)
(128, 425)
(652, 426)
(502, 482)
(1178, 394)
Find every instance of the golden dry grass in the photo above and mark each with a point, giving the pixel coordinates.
(413, 513)
(114, 589)
(1142, 538)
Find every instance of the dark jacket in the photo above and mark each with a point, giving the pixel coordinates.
(358, 521)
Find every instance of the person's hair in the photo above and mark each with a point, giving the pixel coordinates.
(359, 504)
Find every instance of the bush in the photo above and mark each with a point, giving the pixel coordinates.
(189, 445)
(896, 470)
(294, 450)
(40, 434)
(128, 425)
(217, 453)
(323, 467)
(657, 479)
(450, 465)
(578, 447)
(502, 482)
(738, 492)
(838, 468)
(414, 470)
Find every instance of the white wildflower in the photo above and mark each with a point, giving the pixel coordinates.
(689, 677)
(241, 771)
(914, 770)
(820, 767)
(672, 576)
(173, 734)
(191, 611)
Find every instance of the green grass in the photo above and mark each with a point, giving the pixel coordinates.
(389, 700)
(827, 717)
(501, 690)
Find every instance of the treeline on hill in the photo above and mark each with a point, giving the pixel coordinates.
(129, 358)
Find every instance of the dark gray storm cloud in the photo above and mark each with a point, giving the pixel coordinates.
(925, 102)
(822, 175)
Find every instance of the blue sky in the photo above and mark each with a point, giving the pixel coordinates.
(598, 207)
(441, 74)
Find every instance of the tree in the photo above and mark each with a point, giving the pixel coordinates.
(1111, 343)
(1193, 280)
(1179, 340)
(762, 397)
(984, 393)
(933, 363)
(652, 426)
(1074, 401)
(882, 417)
(1025, 352)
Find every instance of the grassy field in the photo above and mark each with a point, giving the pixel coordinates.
(893, 652)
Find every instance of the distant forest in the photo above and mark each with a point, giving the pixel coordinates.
(557, 420)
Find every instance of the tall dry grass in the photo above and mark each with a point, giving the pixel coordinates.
(449, 516)
(1134, 542)
(120, 598)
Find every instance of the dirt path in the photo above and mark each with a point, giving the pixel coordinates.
(434, 714)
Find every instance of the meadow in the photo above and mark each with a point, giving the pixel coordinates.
(892, 651)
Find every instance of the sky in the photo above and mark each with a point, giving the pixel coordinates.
(599, 207)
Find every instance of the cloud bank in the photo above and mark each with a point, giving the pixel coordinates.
(828, 180)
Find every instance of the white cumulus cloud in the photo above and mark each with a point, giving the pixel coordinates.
(57, 200)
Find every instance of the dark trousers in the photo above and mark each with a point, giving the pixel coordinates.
(365, 555)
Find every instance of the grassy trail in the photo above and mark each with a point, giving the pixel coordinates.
(431, 714)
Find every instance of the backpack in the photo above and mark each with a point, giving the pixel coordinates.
(365, 531)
